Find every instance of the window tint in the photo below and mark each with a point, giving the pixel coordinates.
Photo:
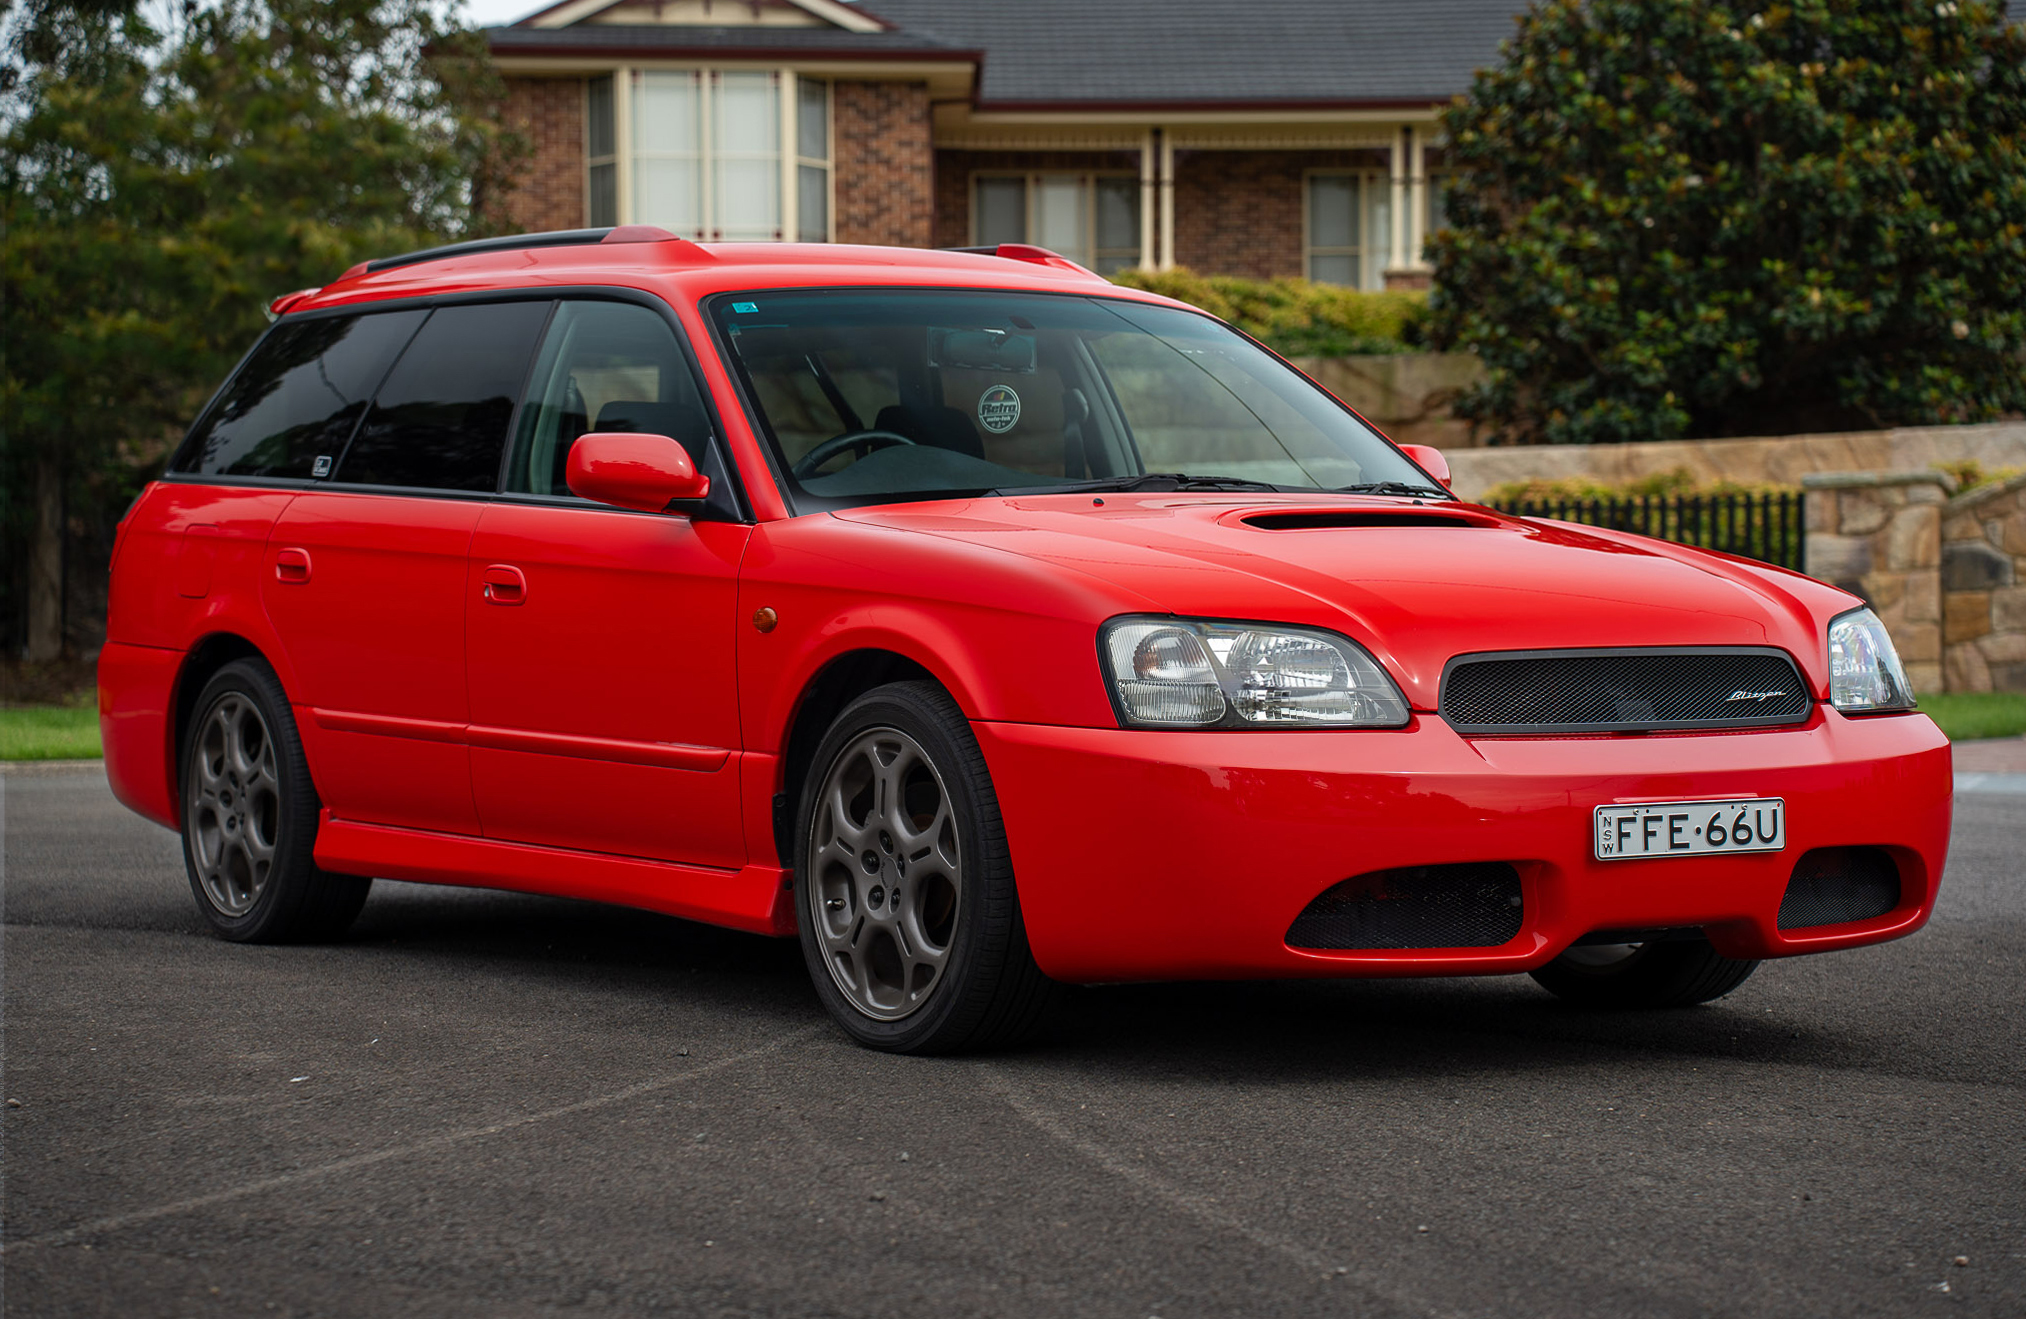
(440, 420)
(606, 366)
(298, 396)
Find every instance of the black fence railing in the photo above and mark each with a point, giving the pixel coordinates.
(1768, 527)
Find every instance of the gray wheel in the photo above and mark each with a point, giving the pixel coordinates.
(910, 921)
(888, 870)
(1668, 974)
(250, 816)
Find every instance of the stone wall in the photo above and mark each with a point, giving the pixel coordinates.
(549, 112)
(1983, 583)
(1780, 460)
(1878, 536)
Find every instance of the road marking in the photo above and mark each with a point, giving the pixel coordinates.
(2006, 784)
(1200, 1207)
(117, 1221)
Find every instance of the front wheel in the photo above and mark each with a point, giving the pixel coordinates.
(1666, 974)
(904, 892)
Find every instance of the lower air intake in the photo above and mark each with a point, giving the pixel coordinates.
(1833, 885)
(1476, 905)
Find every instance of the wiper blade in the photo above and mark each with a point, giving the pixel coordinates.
(1157, 481)
(1392, 488)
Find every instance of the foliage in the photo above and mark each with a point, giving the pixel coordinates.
(1678, 482)
(52, 732)
(1677, 218)
(1966, 715)
(162, 186)
(1295, 317)
(1969, 473)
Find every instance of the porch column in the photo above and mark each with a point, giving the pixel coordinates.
(1167, 190)
(622, 141)
(1417, 199)
(1149, 198)
(1397, 156)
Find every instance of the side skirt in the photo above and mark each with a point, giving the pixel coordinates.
(752, 898)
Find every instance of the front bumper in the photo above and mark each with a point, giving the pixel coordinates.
(1151, 855)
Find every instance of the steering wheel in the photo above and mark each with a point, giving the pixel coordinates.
(863, 441)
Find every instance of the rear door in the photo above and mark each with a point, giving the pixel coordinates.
(604, 710)
(366, 570)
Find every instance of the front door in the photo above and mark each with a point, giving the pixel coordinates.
(601, 642)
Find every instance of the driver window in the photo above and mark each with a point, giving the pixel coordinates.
(606, 366)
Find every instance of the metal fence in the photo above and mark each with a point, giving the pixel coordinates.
(1767, 527)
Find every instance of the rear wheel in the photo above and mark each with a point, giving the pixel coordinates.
(910, 922)
(250, 817)
(1667, 974)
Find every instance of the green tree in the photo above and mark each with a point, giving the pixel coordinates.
(163, 186)
(1677, 218)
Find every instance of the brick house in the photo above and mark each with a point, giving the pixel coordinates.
(1263, 138)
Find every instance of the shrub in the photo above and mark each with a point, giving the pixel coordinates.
(1294, 316)
(1969, 473)
(1676, 218)
(1680, 481)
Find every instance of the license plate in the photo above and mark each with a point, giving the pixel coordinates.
(1690, 828)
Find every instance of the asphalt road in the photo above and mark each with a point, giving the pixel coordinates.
(486, 1104)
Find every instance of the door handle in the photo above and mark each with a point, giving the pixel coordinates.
(504, 584)
(292, 565)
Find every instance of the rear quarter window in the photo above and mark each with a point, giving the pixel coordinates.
(297, 397)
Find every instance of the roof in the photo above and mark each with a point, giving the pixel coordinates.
(1196, 52)
(1075, 54)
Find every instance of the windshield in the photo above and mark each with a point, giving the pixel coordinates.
(869, 396)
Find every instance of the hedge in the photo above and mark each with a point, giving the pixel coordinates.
(1296, 317)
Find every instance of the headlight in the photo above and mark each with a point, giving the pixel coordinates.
(1864, 672)
(1185, 673)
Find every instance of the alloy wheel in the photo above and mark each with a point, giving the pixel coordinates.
(886, 874)
(235, 804)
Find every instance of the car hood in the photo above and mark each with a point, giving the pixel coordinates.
(1415, 583)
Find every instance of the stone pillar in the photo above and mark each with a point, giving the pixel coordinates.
(1983, 573)
(1878, 535)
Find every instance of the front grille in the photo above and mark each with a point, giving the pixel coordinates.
(1590, 691)
(1832, 885)
(1460, 906)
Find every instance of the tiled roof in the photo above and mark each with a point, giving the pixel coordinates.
(1092, 52)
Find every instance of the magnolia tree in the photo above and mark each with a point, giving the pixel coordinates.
(163, 183)
(1675, 218)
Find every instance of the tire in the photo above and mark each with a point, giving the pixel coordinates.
(904, 894)
(1669, 974)
(249, 815)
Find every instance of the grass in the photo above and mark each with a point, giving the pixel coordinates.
(49, 732)
(70, 732)
(1965, 715)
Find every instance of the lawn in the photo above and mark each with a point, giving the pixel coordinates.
(70, 732)
(49, 732)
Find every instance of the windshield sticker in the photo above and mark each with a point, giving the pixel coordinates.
(999, 409)
(744, 307)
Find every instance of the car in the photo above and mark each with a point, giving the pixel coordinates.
(985, 626)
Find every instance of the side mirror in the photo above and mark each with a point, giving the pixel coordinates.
(1431, 461)
(645, 472)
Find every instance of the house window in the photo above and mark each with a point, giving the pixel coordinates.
(812, 160)
(601, 149)
(1093, 219)
(1350, 228)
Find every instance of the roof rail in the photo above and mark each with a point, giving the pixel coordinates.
(625, 233)
(1027, 252)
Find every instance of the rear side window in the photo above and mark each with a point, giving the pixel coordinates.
(297, 397)
(440, 420)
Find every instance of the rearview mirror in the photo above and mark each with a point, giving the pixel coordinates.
(644, 472)
(1431, 461)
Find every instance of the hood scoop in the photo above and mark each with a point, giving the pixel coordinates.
(1335, 519)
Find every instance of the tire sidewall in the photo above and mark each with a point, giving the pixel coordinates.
(296, 813)
(956, 994)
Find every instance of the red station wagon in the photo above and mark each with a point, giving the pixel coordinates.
(987, 625)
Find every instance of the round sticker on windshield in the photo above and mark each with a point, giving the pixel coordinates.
(999, 409)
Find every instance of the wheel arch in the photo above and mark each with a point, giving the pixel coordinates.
(212, 652)
(840, 681)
